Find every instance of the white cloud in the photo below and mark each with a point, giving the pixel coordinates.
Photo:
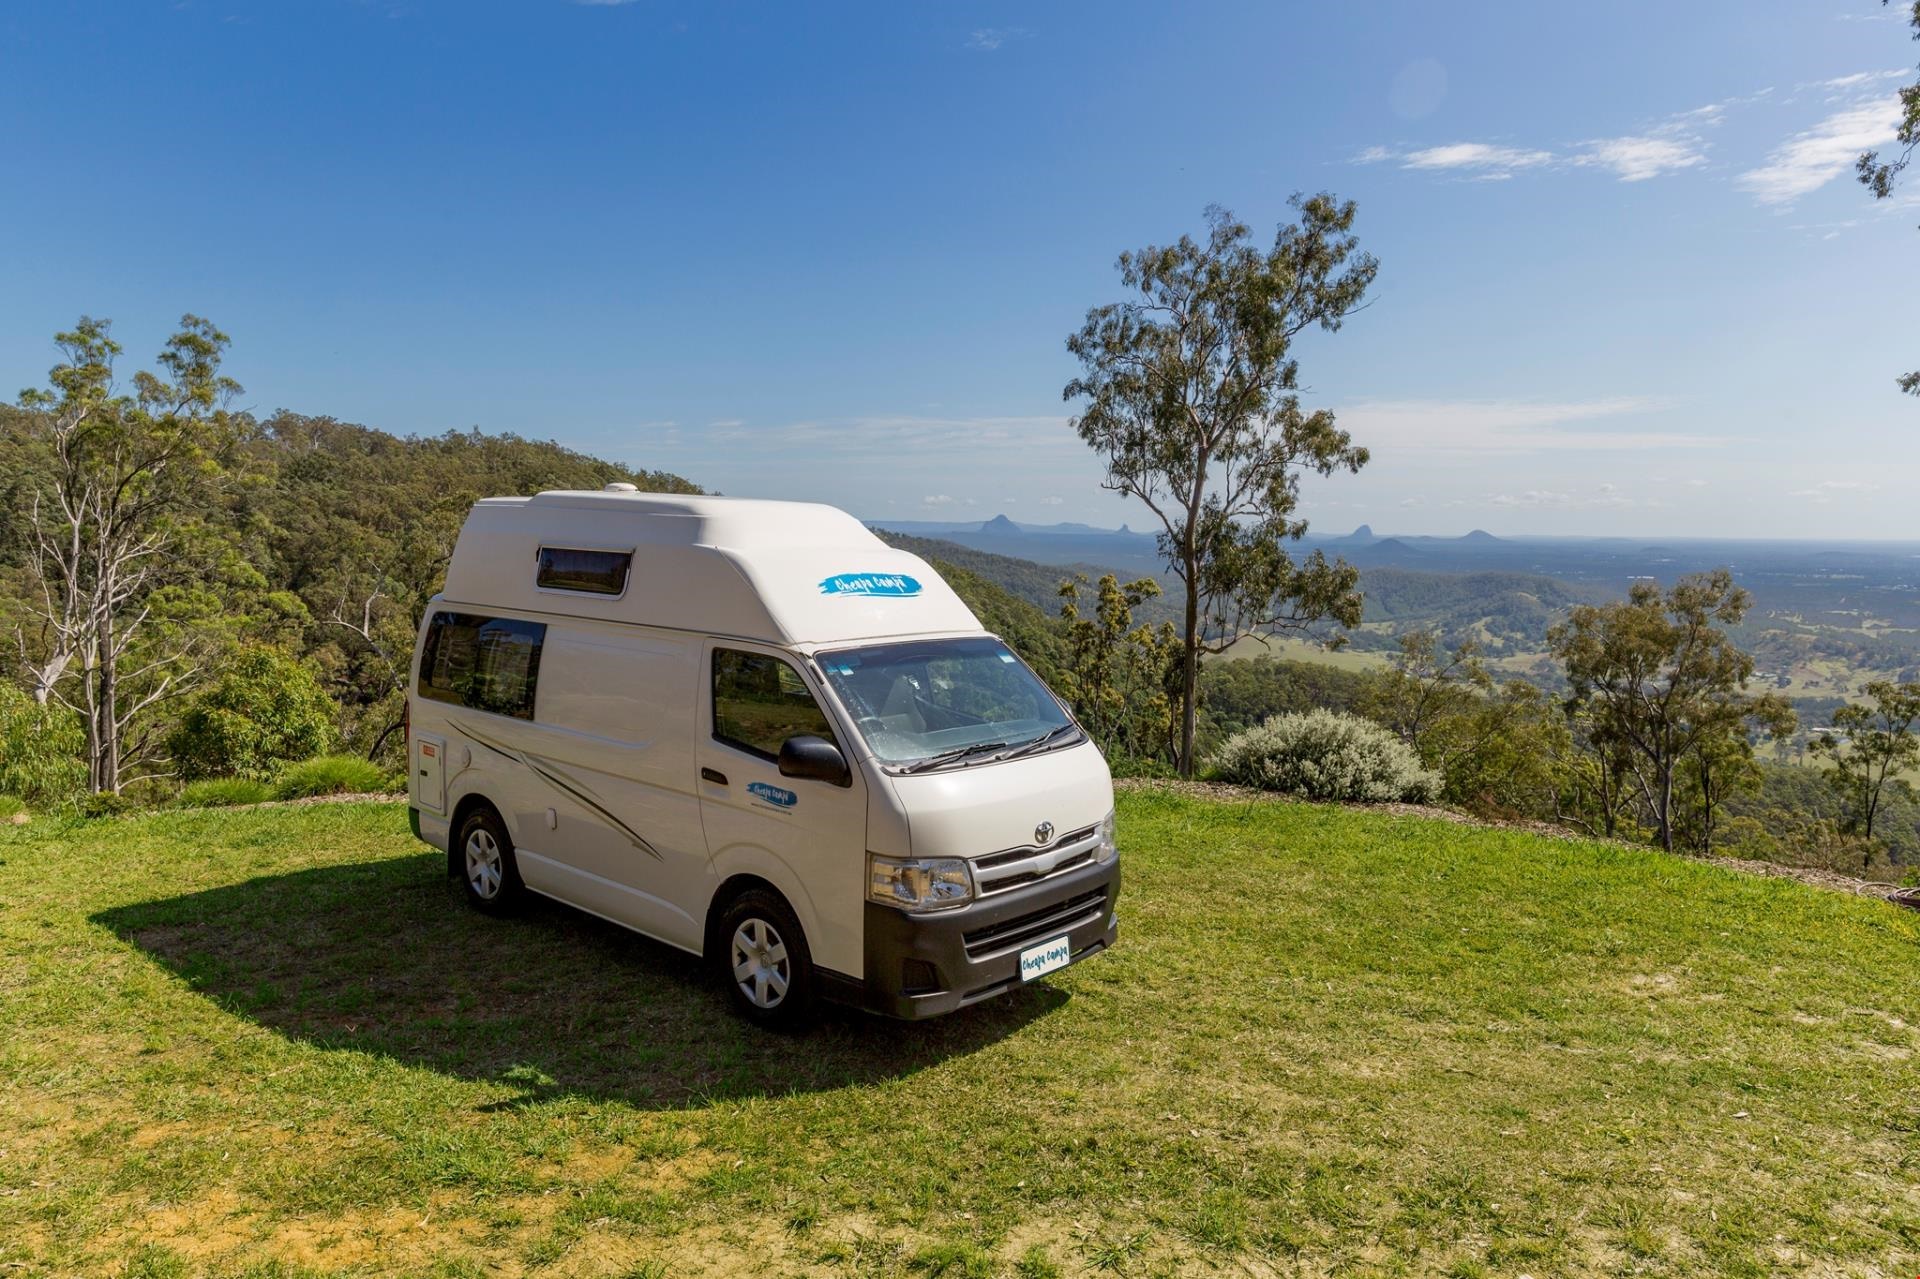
(1827, 490)
(1510, 426)
(1476, 156)
(604, 4)
(1372, 155)
(937, 499)
(1635, 159)
(987, 39)
(1856, 80)
(1808, 161)
(1053, 500)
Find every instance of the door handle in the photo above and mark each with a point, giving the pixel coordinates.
(713, 775)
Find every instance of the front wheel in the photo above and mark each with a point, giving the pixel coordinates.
(767, 966)
(488, 868)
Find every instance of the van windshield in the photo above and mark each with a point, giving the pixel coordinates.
(921, 702)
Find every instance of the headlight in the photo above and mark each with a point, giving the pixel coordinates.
(918, 883)
(1108, 848)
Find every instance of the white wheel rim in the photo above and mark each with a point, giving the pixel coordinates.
(485, 867)
(760, 965)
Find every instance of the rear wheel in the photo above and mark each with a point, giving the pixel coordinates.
(765, 961)
(487, 865)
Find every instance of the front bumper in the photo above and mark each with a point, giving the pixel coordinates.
(925, 965)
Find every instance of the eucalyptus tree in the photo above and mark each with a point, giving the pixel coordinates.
(1190, 392)
(1663, 683)
(124, 495)
(1872, 744)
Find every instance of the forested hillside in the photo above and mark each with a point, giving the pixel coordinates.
(317, 538)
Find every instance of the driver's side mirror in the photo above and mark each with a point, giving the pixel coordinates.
(814, 758)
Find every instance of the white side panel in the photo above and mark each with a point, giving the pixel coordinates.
(427, 775)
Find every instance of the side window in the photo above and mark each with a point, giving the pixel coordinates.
(486, 663)
(760, 701)
(592, 572)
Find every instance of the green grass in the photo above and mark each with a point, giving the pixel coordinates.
(223, 792)
(275, 1042)
(331, 775)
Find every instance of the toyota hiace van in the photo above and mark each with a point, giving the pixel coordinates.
(755, 732)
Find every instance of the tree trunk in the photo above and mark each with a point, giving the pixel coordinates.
(106, 710)
(1665, 810)
(1190, 680)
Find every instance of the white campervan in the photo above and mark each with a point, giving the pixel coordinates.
(754, 731)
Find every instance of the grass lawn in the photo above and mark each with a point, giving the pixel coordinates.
(275, 1043)
(1293, 648)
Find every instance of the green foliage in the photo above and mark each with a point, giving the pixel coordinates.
(1871, 745)
(1329, 756)
(264, 710)
(332, 775)
(125, 518)
(1663, 689)
(41, 750)
(1190, 393)
(1247, 691)
(224, 792)
(1116, 674)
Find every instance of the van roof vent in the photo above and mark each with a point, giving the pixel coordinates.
(621, 486)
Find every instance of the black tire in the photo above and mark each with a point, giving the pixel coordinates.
(765, 962)
(483, 856)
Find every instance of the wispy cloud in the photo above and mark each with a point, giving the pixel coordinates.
(1478, 157)
(1808, 161)
(1827, 490)
(937, 499)
(987, 39)
(1635, 159)
(1512, 426)
(604, 4)
(1372, 155)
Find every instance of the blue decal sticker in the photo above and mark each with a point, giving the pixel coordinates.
(895, 585)
(772, 794)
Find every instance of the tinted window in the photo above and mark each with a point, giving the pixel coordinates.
(596, 572)
(487, 663)
(760, 701)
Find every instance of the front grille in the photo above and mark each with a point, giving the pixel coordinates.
(1036, 926)
(1014, 867)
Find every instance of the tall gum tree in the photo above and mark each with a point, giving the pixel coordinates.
(126, 488)
(1189, 391)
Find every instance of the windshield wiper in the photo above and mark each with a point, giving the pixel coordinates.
(948, 757)
(1030, 746)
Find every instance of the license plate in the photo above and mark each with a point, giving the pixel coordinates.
(1048, 956)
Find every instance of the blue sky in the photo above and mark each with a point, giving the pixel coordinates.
(833, 251)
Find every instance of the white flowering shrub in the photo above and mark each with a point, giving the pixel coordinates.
(1322, 754)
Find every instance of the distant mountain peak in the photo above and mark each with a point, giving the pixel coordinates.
(1479, 535)
(1362, 534)
(1000, 524)
(1123, 529)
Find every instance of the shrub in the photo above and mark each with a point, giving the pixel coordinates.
(41, 750)
(1324, 754)
(223, 792)
(265, 710)
(103, 804)
(332, 775)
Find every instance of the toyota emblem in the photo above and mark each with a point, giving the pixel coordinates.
(1043, 832)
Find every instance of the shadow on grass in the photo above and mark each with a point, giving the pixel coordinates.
(386, 957)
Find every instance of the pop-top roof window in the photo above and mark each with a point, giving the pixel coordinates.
(594, 572)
